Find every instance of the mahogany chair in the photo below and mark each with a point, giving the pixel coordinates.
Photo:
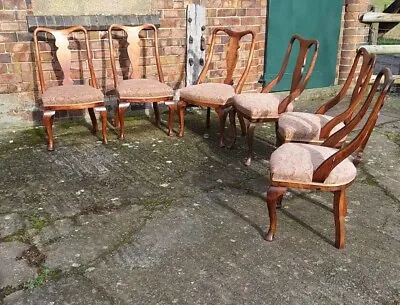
(267, 106)
(314, 128)
(216, 95)
(73, 93)
(134, 88)
(322, 167)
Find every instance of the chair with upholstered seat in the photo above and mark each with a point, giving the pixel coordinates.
(73, 93)
(216, 95)
(267, 106)
(322, 167)
(134, 88)
(315, 127)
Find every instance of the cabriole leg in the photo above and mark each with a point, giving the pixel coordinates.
(48, 124)
(339, 212)
(274, 194)
(250, 138)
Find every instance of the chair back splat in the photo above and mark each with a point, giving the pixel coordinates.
(63, 54)
(232, 56)
(299, 78)
(134, 35)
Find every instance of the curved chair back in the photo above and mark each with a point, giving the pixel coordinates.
(358, 144)
(232, 56)
(299, 78)
(133, 40)
(63, 54)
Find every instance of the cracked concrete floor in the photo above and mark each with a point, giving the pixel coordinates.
(163, 220)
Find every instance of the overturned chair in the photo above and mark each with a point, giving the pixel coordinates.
(322, 167)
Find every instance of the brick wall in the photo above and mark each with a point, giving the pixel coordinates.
(355, 33)
(19, 94)
(18, 74)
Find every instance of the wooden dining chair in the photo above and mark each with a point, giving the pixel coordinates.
(314, 128)
(216, 95)
(71, 91)
(135, 87)
(322, 167)
(267, 106)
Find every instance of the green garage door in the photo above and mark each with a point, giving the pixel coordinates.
(313, 19)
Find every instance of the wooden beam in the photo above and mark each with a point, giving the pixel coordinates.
(383, 49)
(393, 8)
(372, 17)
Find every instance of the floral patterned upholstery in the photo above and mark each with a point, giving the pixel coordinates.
(143, 88)
(259, 105)
(71, 95)
(212, 93)
(296, 162)
(304, 127)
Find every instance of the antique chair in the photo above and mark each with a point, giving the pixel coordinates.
(266, 106)
(322, 167)
(73, 93)
(134, 88)
(315, 127)
(216, 95)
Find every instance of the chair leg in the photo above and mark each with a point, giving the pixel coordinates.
(279, 140)
(120, 112)
(48, 124)
(242, 125)
(116, 117)
(157, 114)
(208, 117)
(232, 121)
(339, 212)
(222, 114)
(103, 115)
(94, 120)
(171, 107)
(250, 137)
(274, 194)
(181, 113)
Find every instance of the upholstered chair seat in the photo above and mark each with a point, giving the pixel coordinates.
(71, 95)
(304, 127)
(143, 88)
(296, 162)
(212, 93)
(259, 106)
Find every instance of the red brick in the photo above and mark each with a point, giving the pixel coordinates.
(10, 78)
(8, 37)
(22, 57)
